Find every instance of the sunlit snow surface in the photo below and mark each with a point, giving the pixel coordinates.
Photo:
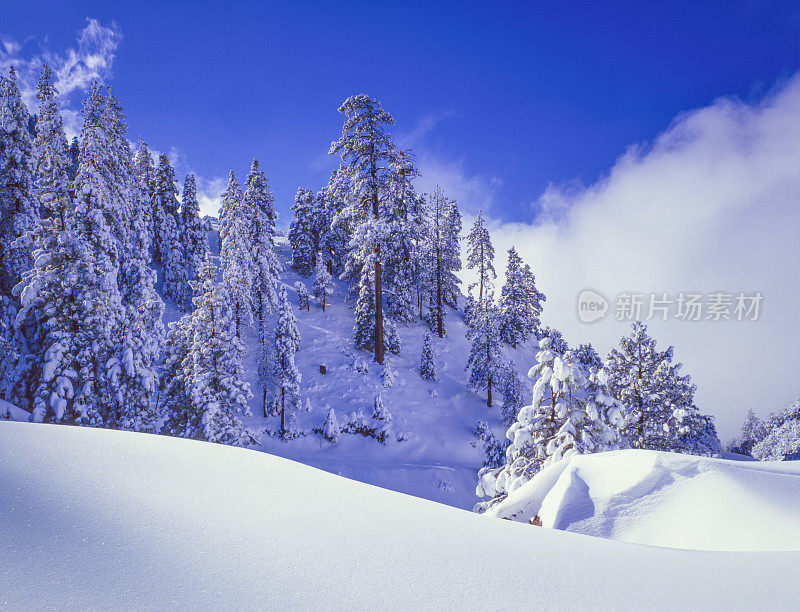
(104, 519)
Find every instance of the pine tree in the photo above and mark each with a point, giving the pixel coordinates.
(569, 414)
(589, 357)
(782, 440)
(323, 284)
(213, 372)
(335, 237)
(513, 394)
(520, 302)
(367, 149)
(165, 210)
(174, 399)
(235, 253)
(480, 257)
(753, 431)
(74, 156)
(193, 239)
(442, 259)
(403, 212)
(427, 365)
(259, 204)
(287, 343)
(658, 398)
(485, 361)
(18, 210)
(301, 233)
(302, 296)
(146, 177)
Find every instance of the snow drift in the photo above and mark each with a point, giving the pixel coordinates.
(94, 518)
(666, 499)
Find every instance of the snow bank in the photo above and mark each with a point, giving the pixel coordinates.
(103, 519)
(666, 499)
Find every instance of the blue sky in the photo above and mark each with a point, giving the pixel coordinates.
(644, 147)
(504, 97)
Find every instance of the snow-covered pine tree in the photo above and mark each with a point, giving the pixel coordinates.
(651, 388)
(323, 284)
(74, 288)
(427, 364)
(74, 155)
(589, 357)
(259, 204)
(330, 430)
(569, 414)
(559, 343)
(782, 440)
(513, 394)
(335, 239)
(174, 401)
(301, 232)
(404, 214)
(214, 373)
(18, 205)
(753, 431)
(442, 259)
(485, 361)
(367, 149)
(193, 238)
(520, 302)
(287, 343)
(235, 253)
(452, 255)
(146, 177)
(391, 337)
(165, 211)
(480, 257)
(302, 296)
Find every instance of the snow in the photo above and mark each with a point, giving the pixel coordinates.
(666, 499)
(170, 522)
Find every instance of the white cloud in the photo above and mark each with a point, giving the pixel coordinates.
(711, 205)
(74, 69)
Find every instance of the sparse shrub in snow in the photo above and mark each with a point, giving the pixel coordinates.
(361, 366)
(783, 435)
(302, 296)
(330, 429)
(427, 365)
(389, 375)
(307, 405)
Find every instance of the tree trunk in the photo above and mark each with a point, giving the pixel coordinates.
(378, 287)
(283, 411)
(489, 394)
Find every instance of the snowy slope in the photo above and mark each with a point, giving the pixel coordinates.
(106, 519)
(438, 461)
(666, 499)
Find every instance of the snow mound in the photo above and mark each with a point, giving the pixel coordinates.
(666, 499)
(98, 519)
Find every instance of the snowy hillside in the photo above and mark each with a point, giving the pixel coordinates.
(437, 461)
(665, 499)
(171, 522)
